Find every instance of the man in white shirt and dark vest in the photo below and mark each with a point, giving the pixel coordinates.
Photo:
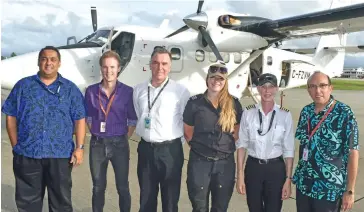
(159, 104)
(266, 132)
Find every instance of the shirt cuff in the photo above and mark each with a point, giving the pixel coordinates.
(132, 123)
(241, 144)
(288, 154)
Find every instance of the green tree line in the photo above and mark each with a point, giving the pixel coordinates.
(13, 54)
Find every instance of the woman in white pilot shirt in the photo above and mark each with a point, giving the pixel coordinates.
(266, 132)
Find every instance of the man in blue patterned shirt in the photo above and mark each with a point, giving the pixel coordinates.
(42, 112)
(328, 133)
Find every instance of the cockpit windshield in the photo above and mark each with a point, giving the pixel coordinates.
(100, 37)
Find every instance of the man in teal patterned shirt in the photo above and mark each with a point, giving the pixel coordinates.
(328, 157)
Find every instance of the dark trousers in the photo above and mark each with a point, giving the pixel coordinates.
(204, 176)
(116, 150)
(307, 204)
(264, 184)
(32, 176)
(160, 165)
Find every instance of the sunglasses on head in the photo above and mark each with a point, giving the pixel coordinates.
(214, 69)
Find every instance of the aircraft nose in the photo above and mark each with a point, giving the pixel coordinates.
(15, 68)
(194, 21)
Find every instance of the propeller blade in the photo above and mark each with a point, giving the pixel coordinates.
(94, 18)
(184, 28)
(211, 43)
(200, 3)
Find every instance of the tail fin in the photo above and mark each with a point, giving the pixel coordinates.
(164, 24)
(332, 61)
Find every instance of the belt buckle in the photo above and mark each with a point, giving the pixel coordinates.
(212, 158)
(265, 161)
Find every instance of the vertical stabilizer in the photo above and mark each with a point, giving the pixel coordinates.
(332, 61)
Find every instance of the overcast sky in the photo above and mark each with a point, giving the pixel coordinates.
(28, 25)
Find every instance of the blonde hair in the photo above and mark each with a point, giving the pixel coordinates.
(226, 102)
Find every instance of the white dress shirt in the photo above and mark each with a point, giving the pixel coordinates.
(167, 113)
(278, 141)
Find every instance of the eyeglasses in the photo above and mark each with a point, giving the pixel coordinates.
(321, 86)
(214, 69)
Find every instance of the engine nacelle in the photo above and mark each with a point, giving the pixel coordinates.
(227, 40)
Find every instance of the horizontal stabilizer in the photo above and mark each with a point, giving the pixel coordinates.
(347, 49)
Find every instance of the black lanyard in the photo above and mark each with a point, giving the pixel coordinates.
(261, 123)
(150, 107)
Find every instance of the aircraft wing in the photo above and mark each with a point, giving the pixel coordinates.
(334, 21)
(347, 49)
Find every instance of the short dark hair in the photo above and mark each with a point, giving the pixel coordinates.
(160, 50)
(49, 48)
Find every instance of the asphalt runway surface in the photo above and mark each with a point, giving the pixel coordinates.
(294, 100)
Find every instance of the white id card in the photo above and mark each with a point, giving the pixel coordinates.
(147, 123)
(305, 154)
(103, 126)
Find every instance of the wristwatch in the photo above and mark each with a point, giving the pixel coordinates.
(81, 146)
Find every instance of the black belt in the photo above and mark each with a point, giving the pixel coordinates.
(209, 158)
(265, 161)
(161, 143)
(99, 138)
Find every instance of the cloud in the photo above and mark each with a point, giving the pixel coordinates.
(30, 25)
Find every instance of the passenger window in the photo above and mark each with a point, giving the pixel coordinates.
(200, 55)
(225, 56)
(212, 57)
(176, 53)
(237, 58)
(269, 60)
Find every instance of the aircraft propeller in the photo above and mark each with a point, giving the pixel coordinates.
(94, 18)
(198, 21)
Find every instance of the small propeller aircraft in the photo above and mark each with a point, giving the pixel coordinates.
(246, 44)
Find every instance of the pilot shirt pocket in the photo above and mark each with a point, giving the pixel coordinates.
(278, 135)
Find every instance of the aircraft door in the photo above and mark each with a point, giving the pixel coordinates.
(177, 58)
(286, 72)
(123, 44)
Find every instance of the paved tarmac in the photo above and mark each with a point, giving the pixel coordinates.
(82, 186)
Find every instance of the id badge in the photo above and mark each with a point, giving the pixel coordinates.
(103, 126)
(305, 154)
(147, 122)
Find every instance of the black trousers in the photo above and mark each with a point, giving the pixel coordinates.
(204, 176)
(116, 150)
(160, 165)
(307, 204)
(264, 184)
(32, 176)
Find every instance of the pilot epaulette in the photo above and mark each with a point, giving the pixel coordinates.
(250, 107)
(196, 96)
(285, 109)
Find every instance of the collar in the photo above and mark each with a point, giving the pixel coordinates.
(275, 107)
(58, 79)
(209, 102)
(331, 100)
(164, 82)
(117, 86)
